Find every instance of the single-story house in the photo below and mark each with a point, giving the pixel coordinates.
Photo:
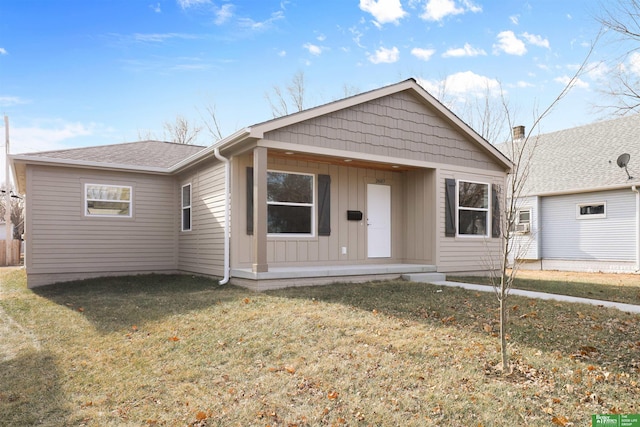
(375, 185)
(580, 209)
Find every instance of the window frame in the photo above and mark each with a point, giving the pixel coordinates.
(86, 199)
(312, 206)
(519, 219)
(581, 216)
(184, 207)
(488, 210)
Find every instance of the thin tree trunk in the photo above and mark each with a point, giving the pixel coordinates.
(503, 325)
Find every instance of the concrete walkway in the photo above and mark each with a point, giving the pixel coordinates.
(630, 308)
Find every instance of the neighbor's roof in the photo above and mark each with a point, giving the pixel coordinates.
(584, 158)
(151, 154)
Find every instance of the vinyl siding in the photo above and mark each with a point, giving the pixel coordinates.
(611, 238)
(463, 253)
(527, 246)
(201, 250)
(348, 192)
(62, 242)
(398, 126)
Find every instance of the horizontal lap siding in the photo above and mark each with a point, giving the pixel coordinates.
(201, 250)
(611, 238)
(62, 240)
(465, 254)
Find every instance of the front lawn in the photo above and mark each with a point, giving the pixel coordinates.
(181, 350)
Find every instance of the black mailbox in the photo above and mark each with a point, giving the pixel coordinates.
(354, 216)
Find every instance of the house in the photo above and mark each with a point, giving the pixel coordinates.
(580, 209)
(380, 184)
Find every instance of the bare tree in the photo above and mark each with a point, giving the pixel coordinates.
(622, 18)
(279, 101)
(17, 212)
(520, 149)
(181, 131)
(210, 120)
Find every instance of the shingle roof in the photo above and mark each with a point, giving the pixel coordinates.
(584, 158)
(157, 154)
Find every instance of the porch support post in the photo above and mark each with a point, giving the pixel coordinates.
(260, 210)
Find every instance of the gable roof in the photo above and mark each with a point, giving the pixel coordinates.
(583, 158)
(257, 131)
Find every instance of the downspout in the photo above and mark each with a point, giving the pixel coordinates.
(227, 208)
(635, 190)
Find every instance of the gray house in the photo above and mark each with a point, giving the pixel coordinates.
(581, 210)
(376, 185)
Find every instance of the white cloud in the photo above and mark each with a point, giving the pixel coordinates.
(50, 135)
(423, 54)
(386, 56)
(523, 84)
(467, 50)
(7, 101)
(189, 3)
(313, 49)
(536, 40)
(634, 63)
(509, 44)
(3, 51)
(515, 19)
(261, 25)
(565, 80)
(460, 86)
(282, 53)
(156, 8)
(437, 10)
(321, 37)
(223, 14)
(384, 11)
(159, 37)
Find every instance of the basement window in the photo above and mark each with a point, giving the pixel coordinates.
(591, 210)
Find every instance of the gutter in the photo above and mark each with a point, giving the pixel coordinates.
(635, 190)
(227, 208)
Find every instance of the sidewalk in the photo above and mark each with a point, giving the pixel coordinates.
(630, 308)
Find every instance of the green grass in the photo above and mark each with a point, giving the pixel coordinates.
(181, 350)
(623, 288)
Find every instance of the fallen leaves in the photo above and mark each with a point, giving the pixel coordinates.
(560, 421)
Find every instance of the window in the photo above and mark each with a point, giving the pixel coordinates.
(524, 216)
(186, 207)
(107, 200)
(290, 202)
(473, 208)
(591, 210)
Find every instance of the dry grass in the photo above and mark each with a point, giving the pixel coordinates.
(603, 286)
(177, 350)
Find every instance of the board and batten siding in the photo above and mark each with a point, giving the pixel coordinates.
(411, 227)
(466, 254)
(397, 126)
(612, 238)
(62, 243)
(201, 250)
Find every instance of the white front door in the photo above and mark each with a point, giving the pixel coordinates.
(378, 221)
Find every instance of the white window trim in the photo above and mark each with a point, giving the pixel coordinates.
(488, 210)
(518, 215)
(183, 207)
(86, 200)
(592, 216)
(312, 205)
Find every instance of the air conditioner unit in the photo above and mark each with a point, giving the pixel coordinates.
(523, 228)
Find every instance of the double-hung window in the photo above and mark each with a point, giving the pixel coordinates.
(186, 207)
(473, 208)
(290, 203)
(108, 200)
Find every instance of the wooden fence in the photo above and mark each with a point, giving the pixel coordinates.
(15, 253)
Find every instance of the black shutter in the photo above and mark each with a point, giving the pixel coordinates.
(324, 205)
(495, 214)
(450, 207)
(249, 200)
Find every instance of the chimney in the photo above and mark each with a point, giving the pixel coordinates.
(518, 132)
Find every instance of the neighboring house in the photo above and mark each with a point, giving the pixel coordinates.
(581, 211)
(376, 185)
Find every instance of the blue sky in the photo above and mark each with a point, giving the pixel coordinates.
(77, 73)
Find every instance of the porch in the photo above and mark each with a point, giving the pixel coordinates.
(282, 277)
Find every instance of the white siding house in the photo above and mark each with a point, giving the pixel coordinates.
(584, 208)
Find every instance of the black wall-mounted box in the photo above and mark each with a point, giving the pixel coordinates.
(354, 216)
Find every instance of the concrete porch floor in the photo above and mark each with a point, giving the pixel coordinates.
(281, 277)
